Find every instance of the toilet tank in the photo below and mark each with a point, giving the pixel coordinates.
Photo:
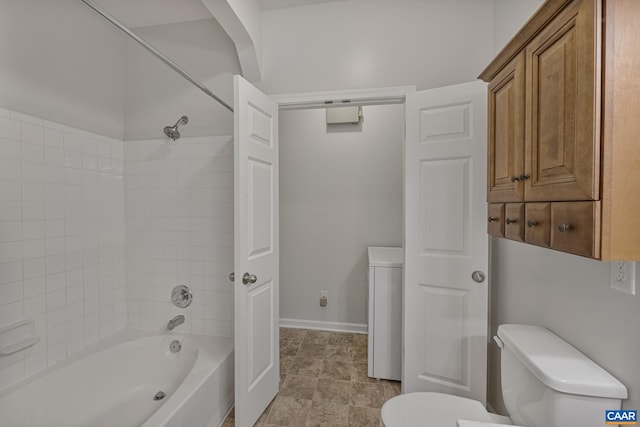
(548, 383)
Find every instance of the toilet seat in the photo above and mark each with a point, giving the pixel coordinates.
(434, 410)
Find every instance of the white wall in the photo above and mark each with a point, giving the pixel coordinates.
(62, 62)
(508, 17)
(375, 43)
(61, 239)
(179, 228)
(340, 191)
(156, 96)
(568, 294)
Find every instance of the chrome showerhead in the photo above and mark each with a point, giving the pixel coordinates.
(172, 131)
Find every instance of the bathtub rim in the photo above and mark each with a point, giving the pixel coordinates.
(120, 337)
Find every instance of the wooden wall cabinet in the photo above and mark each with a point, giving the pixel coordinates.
(564, 133)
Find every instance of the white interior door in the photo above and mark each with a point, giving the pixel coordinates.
(445, 310)
(257, 364)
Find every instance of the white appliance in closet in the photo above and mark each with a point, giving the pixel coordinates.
(385, 312)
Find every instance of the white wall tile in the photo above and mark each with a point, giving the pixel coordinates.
(35, 287)
(10, 252)
(72, 142)
(58, 218)
(10, 149)
(9, 128)
(53, 139)
(174, 230)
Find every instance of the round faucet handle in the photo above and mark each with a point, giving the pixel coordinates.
(181, 296)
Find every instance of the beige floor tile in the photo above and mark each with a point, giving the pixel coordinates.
(336, 370)
(359, 354)
(363, 417)
(338, 338)
(289, 348)
(328, 414)
(391, 389)
(332, 391)
(311, 350)
(359, 373)
(292, 334)
(360, 340)
(369, 395)
(289, 411)
(317, 337)
(298, 386)
(308, 366)
(340, 352)
(285, 363)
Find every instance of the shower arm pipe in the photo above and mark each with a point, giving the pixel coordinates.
(93, 5)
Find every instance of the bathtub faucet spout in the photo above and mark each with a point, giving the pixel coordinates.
(178, 320)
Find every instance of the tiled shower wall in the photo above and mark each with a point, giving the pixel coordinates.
(61, 239)
(179, 228)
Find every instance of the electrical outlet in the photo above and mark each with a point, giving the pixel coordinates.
(623, 276)
(323, 298)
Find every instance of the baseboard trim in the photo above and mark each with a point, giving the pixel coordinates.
(356, 328)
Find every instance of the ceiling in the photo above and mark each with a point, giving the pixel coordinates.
(144, 13)
(283, 4)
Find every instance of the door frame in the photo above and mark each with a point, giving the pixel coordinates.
(356, 97)
(363, 97)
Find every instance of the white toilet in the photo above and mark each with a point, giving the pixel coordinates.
(545, 383)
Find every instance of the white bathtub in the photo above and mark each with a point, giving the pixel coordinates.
(114, 383)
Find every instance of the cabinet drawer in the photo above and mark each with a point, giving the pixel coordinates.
(575, 228)
(538, 222)
(495, 218)
(514, 221)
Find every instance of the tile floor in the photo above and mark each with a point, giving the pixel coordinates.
(324, 383)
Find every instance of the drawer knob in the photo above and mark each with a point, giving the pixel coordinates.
(511, 221)
(532, 223)
(564, 227)
(494, 219)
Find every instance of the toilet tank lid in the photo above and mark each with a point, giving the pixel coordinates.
(557, 364)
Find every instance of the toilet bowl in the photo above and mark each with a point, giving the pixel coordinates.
(545, 383)
(434, 410)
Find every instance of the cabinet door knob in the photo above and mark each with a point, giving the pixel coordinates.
(531, 223)
(523, 177)
(493, 219)
(511, 221)
(515, 178)
(564, 227)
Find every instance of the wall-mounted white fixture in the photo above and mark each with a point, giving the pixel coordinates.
(344, 115)
(623, 276)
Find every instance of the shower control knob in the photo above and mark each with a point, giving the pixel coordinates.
(181, 296)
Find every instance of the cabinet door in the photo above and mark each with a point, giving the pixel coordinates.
(506, 134)
(538, 223)
(514, 221)
(575, 228)
(563, 107)
(495, 218)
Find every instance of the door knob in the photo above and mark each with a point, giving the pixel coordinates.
(477, 276)
(232, 277)
(249, 279)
